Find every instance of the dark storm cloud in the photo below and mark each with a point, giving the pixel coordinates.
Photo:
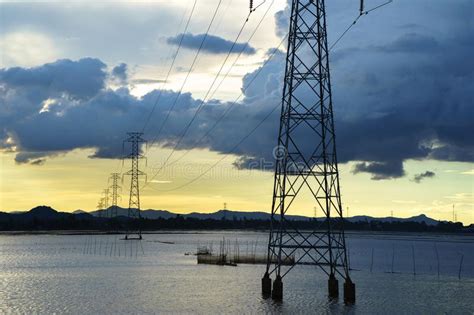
(38, 162)
(81, 79)
(419, 177)
(30, 157)
(407, 97)
(380, 170)
(120, 74)
(412, 43)
(213, 44)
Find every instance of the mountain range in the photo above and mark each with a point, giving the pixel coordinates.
(45, 212)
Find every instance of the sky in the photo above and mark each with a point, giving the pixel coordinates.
(75, 76)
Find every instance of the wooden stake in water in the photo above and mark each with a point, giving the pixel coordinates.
(85, 246)
(460, 266)
(413, 255)
(437, 257)
(349, 259)
(393, 255)
(372, 260)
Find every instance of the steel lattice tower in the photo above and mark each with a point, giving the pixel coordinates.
(100, 207)
(106, 200)
(114, 178)
(134, 230)
(306, 160)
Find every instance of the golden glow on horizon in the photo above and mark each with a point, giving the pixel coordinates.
(74, 181)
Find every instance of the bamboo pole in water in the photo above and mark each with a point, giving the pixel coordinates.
(460, 266)
(85, 246)
(372, 260)
(437, 257)
(393, 255)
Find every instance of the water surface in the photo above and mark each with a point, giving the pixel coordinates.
(93, 274)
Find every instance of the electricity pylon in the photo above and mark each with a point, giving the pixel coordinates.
(134, 227)
(100, 207)
(307, 161)
(106, 200)
(115, 187)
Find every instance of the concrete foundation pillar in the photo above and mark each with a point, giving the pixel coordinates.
(277, 292)
(349, 291)
(333, 286)
(266, 285)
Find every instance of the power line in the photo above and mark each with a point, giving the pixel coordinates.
(242, 50)
(169, 70)
(212, 85)
(188, 73)
(225, 156)
(207, 93)
(262, 121)
(362, 13)
(200, 106)
(222, 117)
(229, 108)
(171, 66)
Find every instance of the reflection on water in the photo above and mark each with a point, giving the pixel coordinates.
(105, 275)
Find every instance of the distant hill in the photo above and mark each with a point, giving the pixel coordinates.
(47, 218)
(148, 214)
(260, 215)
(419, 218)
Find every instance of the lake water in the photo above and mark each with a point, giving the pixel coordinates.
(100, 274)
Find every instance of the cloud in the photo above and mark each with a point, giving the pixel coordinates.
(468, 172)
(26, 49)
(32, 158)
(38, 162)
(411, 43)
(393, 101)
(419, 177)
(80, 79)
(119, 73)
(282, 20)
(404, 201)
(380, 170)
(213, 44)
(148, 81)
(160, 181)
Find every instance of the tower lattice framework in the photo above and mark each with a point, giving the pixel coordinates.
(306, 162)
(115, 189)
(134, 227)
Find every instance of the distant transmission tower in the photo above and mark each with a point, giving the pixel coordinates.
(100, 207)
(134, 227)
(306, 161)
(106, 200)
(114, 186)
